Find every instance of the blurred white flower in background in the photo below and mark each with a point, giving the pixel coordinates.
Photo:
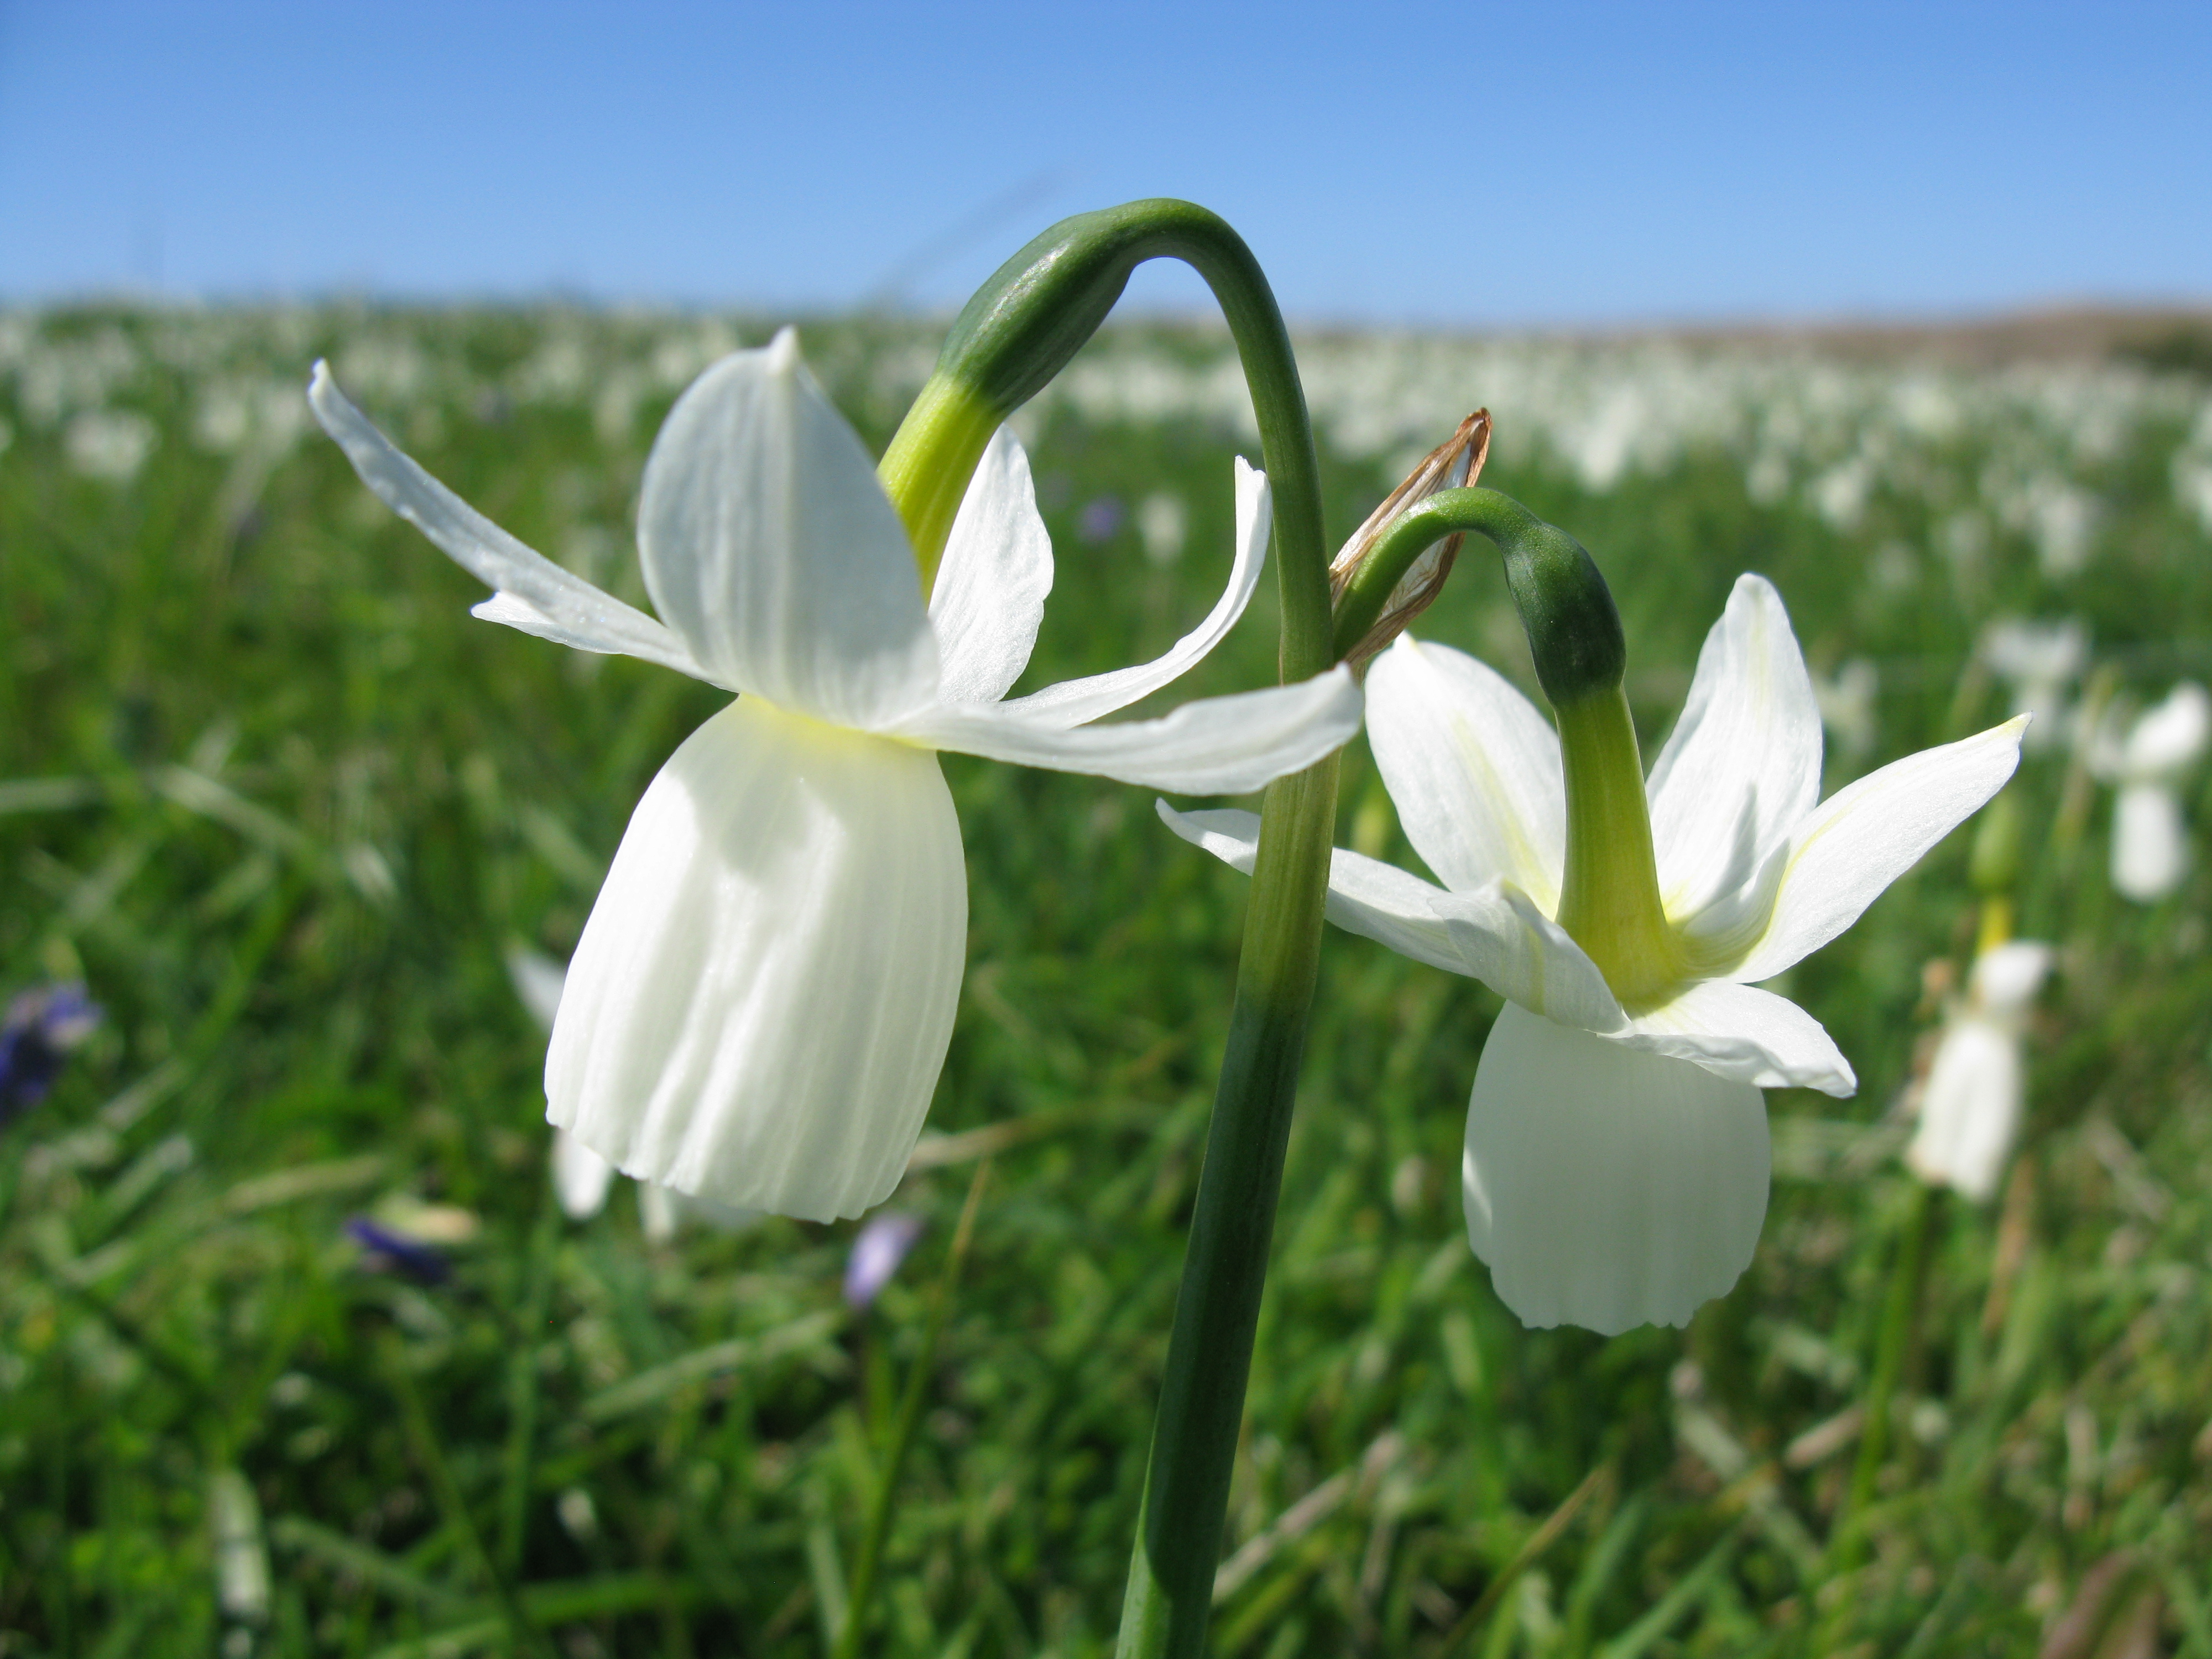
(2150, 841)
(2039, 661)
(760, 1004)
(1846, 700)
(110, 443)
(1164, 523)
(1617, 1157)
(1970, 1105)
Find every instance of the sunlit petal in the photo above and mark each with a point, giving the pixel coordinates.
(1750, 1036)
(1604, 1186)
(992, 583)
(1215, 746)
(771, 549)
(1509, 944)
(1375, 900)
(1073, 701)
(760, 1004)
(1743, 765)
(1473, 768)
(533, 593)
(1865, 837)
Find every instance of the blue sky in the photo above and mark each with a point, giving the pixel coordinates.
(1466, 163)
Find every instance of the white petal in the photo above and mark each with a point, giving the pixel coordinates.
(990, 585)
(1751, 1035)
(1073, 701)
(1606, 1187)
(1215, 746)
(2007, 977)
(760, 1004)
(2170, 739)
(534, 593)
(1374, 900)
(581, 1177)
(1865, 837)
(1473, 767)
(2150, 845)
(1509, 945)
(771, 549)
(1969, 1111)
(1743, 765)
(1495, 935)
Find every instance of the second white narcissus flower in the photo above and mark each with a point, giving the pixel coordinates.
(2150, 839)
(1970, 1106)
(1617, 1159)
(763, 996)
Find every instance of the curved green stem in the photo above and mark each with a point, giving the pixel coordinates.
(1566, 610)
(1019, 330)
(1038, 308)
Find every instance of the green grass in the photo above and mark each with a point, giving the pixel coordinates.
(297, 805)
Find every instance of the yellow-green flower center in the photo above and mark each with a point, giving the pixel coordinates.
(1609, 896)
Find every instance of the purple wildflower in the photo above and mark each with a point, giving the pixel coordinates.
(1099, 519)
(41, 1027)
(387, 1250)
(883, 1244)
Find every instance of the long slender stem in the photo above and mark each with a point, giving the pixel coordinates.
(870, 1561)
(1202, 1406)
(1017, 331)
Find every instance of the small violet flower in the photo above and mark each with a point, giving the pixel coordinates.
(36, 1037)
(387, 1249)
(1617, 1159)
(878, 1249)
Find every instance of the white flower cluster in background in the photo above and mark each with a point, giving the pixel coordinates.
(2025, 449)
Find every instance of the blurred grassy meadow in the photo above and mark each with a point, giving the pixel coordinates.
(277, 800)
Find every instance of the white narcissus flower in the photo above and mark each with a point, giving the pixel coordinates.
(1616, 1162)
(1970, 1105)
(2150, 842)
(2040, 661)
(761, 1002)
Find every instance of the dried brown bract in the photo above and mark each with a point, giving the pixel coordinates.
(1453, 465)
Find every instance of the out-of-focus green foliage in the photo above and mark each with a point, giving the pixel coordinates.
(283, 806)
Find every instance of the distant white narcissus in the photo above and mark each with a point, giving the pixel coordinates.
(2040, 661)
(1970, 1106)
(2150, 839)
(761, 1002)
(1616, 1162)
